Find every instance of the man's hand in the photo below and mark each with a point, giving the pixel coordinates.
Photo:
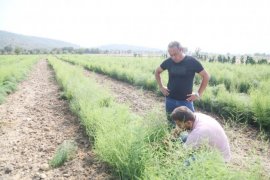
(176, 132)
(173, 137)
(165, 91)
(193, 97)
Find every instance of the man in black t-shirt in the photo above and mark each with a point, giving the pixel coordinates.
(181, 69)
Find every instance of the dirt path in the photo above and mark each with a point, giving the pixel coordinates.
(138, 100)
(246, 145)
(33, 122)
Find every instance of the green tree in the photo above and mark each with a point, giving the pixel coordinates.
(220, 58)
(228, 59)
(262, 61)
(198, 52)
(250, 60)
(242, 59)
(18, 50)
(8, 49)
(233, 60)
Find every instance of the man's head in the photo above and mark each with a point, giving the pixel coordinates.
(183, 117)
(176, 51)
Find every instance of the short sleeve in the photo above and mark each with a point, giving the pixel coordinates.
(165, 64)
(198, 66)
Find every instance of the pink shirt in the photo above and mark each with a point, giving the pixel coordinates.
(206, 128)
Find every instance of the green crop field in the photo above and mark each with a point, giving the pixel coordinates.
(235, 91)
(12, 70)
(131, 144)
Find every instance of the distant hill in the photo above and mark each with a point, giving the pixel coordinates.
(31, 42)
(125, 47)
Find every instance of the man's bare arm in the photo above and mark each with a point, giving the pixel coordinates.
(205, 79)
(162, 88)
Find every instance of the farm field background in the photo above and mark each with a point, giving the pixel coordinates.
(132, 144)
(235, 91)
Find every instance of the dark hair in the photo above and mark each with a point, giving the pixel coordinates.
(182, 113)
(174, 44)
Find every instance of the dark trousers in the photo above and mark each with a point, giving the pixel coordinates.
(171, 104)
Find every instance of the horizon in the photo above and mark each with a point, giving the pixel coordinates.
(220, 27)
(137, 46)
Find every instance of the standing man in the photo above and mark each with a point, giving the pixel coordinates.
(203, 129)
(181, 69)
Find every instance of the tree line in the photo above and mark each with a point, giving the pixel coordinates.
(64, 50)
(243, 59)
(233, 59)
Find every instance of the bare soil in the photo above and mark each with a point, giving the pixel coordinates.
(138, 100)
(34, 121)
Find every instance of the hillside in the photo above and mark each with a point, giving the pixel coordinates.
(31, 42)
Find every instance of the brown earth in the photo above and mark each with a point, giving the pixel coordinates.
(34, 121)
(138, 100)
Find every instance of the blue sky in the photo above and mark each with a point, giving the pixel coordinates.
(218, 26)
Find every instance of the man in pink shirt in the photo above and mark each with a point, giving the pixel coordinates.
(203, 128)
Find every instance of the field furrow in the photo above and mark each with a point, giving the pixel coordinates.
(34, 121)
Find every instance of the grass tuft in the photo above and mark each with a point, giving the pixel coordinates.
(66, 151)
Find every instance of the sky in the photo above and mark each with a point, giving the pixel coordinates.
(214, 26)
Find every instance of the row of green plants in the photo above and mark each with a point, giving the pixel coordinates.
(10, 59)
(238, 92)
(132, 70)
(236, 78)
(13, 69)
(133, 145)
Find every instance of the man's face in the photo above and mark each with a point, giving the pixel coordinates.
(175, 53)
(180, 124)
(187, 125)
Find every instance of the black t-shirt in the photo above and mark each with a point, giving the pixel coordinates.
(181, 76)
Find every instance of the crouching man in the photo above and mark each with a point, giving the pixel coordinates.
(203, 128)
